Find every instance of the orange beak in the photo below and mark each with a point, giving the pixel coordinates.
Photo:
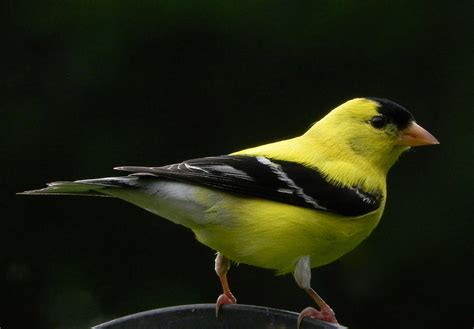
(415, 135)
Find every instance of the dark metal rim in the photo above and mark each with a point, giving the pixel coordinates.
(239, 308)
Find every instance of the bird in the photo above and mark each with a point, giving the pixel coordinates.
(288, 206)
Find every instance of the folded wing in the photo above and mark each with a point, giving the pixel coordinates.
(261, 177)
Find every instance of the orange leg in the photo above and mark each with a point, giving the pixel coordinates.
(325, 312)
(302, 276)
(222, 267)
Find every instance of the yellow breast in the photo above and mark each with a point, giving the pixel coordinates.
(274, 235)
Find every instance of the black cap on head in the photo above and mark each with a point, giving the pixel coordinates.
(396, 113)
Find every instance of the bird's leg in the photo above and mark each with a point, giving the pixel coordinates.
(222, 266)
(302, 275)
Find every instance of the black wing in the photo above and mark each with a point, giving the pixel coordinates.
(277, 180)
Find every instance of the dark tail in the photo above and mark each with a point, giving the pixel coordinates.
(86, 187)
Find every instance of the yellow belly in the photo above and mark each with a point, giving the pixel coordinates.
(254, 231)
(273, 235)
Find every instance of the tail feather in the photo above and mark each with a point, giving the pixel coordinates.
(86, 187)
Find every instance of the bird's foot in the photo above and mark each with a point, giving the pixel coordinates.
(224, 299)
(325, 314)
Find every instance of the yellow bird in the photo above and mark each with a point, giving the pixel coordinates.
(288, 206)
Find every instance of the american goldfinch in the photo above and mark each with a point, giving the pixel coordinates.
(289, 206)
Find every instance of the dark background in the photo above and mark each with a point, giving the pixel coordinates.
(90, 85)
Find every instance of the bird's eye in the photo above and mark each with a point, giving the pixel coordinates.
(378, 122)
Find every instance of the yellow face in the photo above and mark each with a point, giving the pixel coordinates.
(366, 128)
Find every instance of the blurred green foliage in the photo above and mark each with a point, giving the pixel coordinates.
(95, 84)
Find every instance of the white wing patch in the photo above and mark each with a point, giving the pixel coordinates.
(363, 197)
(231, 171)
(282, 176)
(221, 168)
(188, 166)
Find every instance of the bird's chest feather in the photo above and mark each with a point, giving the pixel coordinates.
(274, 235)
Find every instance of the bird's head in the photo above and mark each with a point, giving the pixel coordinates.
(376, 129)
